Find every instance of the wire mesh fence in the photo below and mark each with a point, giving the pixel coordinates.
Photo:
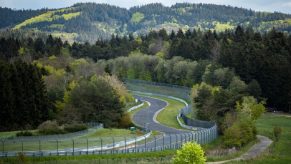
(109, 145)
(159, 88)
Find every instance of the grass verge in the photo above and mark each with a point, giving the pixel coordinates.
(278, 152)
(148, 157)
(94, 138)
(168, 116)
(217, 144)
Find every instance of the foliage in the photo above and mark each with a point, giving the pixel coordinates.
(125, 121)
(21, 158)
(250, 55)
(240, 133)
(96, 100)
(75, 127)
(23, 99)
(124, 95)
(50, 127)
(190, 153)
(24, 133)
(137, 17)
(11, 17)
(251, 107)
(93, 21)
(243, 130)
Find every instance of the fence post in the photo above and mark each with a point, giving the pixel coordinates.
(101, 144)
(125, 144)
(176, 141)
(200, 137)
(39, 146)
(113, 146)
(181, 138)
(3, 142)
(145, 142)
(87, 145)
(57, 147)
(155, 143)
(22, 146)
(163, 142)
(135, 144)
(73, 147)
(170, 141)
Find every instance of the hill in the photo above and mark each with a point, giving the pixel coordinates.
(10, 18)
(91, 21)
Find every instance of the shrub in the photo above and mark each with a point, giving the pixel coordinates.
(277, 132)
(22, 158)
(232, 137)
(75, 127)
(125, 121)
(24, 133)
(190, 153)
(239, 134)
(50, 127)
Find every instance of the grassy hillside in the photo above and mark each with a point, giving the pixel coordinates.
(94, 21)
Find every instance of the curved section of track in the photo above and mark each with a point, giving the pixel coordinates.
(145, 117)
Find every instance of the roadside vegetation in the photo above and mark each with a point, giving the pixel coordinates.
(279, 151)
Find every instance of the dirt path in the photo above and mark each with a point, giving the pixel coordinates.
(253, 152)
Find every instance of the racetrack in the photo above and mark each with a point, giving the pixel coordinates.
(171, 139)
(146, 117)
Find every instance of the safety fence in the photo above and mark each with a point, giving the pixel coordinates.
(117, 145)
(159, 88)
(183, 94)
(136, 145)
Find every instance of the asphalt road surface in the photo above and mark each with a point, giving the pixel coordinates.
(145, 117)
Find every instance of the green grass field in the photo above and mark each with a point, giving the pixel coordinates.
(149, 157)
(279, 152)
(217, 144)
(168, 116)
(94, 139)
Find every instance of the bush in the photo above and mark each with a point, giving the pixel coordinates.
(277, 132)
(22, 158)
(24, 133)
(125, 121)
(75, 127)
(232, 137)
(190, 153)
(50, 127)
(239, 134)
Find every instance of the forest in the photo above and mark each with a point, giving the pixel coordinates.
(264, 58)
(89, 21)
(233, 76)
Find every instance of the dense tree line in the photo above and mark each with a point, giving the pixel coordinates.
(23, 99)
(253, 56)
